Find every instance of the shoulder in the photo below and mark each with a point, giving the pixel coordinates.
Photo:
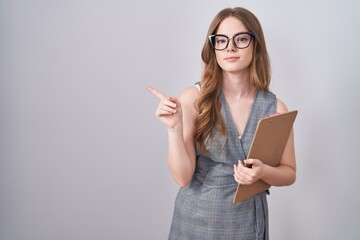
(188, 99)
(271, 97)
(189, 95)
(266, 96)
(281, 107)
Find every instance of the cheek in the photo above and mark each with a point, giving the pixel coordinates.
(248, 56)
(218, 56)
(219, 59)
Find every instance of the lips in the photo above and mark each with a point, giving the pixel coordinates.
(231, 59)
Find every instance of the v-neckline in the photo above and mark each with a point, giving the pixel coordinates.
(238, 136)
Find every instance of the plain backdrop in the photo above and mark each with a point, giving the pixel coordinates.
(82, 155)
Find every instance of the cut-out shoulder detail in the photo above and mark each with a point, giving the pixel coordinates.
(189, 95)
(281, 107)
(197, 85)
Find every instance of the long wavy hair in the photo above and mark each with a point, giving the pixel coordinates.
(208, 103)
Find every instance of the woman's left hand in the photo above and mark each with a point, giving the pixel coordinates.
(245, 175)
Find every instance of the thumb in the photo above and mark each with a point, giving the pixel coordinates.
(275, 114)
(175, 100)
(252, 161)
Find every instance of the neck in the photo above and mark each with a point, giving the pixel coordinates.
(237, 86)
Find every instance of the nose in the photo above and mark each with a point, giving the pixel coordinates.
(231, 46)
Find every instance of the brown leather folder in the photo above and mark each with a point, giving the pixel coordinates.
(271, 136)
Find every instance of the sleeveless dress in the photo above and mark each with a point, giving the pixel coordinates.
(204, 209)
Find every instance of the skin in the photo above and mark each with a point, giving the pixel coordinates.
(178, 115)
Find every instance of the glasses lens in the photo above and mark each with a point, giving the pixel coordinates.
(242, 40)
(219, 42)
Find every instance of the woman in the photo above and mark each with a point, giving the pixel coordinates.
(210, 129)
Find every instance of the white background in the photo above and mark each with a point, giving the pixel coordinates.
(82, 155)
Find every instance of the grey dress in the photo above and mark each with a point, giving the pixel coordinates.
(204, 209)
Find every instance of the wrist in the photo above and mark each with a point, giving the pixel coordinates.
(175, 131)
(264, 172)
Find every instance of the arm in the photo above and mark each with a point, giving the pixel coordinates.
(181, 158)
(282, 175)
(178, 115)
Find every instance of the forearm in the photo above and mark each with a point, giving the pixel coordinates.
(279, 176)
(181, 163)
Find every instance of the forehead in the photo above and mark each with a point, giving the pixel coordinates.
(230, 26)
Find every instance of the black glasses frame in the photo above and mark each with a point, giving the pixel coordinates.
(212, 37)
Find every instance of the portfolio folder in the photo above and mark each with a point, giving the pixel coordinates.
(271, 136)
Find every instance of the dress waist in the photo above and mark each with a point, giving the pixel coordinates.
(214, 173)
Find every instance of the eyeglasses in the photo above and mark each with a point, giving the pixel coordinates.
(241, 40)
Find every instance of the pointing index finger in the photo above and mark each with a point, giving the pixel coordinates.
(156, 92)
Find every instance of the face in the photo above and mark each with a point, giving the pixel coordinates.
(233, 59)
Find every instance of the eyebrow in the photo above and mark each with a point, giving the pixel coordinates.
(233, 34)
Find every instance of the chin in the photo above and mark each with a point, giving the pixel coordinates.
(235, 70)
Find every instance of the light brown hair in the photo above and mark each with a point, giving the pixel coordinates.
(209, 104)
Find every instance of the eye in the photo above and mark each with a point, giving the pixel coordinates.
(242, 39)
(220, 41)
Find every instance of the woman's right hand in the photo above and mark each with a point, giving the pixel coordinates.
(168, 111)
